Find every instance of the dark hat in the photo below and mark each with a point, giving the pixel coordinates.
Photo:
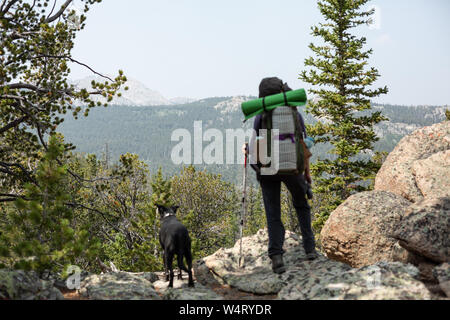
(270, 86)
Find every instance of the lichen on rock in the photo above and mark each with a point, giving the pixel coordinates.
(26, 285)
(118, 286)
(359, 231)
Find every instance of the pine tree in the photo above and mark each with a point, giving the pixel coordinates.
(342, 82)
(41, 233)
(209, 208)
(36, 43)
(256, 218)
(147, 225)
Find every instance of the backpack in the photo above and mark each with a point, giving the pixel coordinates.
(293, 152)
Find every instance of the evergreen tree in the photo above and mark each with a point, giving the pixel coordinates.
(342, 81)
(256, 217)
(209, 208)
(36, 43)
(41, 233)
(147, 226)
(129, 209)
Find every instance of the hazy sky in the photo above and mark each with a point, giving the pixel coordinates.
(206, 48)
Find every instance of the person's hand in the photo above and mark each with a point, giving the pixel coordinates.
(245, 148)
(308, 177)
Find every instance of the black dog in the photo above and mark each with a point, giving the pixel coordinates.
(174, 239)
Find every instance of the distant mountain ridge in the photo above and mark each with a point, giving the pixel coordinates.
(147, 130)
(138, 95)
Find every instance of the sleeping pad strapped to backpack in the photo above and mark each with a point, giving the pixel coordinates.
(282, 115)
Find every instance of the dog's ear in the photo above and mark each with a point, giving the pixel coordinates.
(175, 208)
(161, 209)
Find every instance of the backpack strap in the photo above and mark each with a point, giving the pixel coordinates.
(302, 122)
(285, 99)
(299, 141)
(266, 123)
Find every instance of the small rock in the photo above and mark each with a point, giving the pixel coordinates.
(149, 276)
(118, 286)
(442, 273)
(185, 293)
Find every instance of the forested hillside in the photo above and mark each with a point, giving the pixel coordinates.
(147, 131)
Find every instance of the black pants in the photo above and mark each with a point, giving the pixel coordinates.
(271, 189)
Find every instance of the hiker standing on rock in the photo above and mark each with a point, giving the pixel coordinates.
(271, 189)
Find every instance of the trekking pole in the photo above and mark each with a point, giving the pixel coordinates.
(244, 205)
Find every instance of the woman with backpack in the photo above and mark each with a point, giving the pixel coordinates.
(271, 189)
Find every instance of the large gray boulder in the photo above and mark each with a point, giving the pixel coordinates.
(425, 228)
(418, 167)
(26, 285)
(359, 231)
(118, 286)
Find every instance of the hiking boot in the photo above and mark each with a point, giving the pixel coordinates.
(312, 255)
(278, 264)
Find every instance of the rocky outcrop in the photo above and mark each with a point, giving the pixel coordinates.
(118, 286)
(425, 229)
(358, 231)
(220, 277)
(141, 286)
(419, 165)
(382, 281)
(319, 279)
(23, 285)
(442, 273)
(255, 275)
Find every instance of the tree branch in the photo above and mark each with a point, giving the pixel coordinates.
(24, 86)
(8, 199)
(74, 61)
(59, 13)
(53, 8)
(8, 6)
(78, 205)
(13, 124)
(6, 169)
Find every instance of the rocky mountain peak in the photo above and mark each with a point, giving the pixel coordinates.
(138, 94)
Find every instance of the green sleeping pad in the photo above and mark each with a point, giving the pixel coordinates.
(294, 99)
